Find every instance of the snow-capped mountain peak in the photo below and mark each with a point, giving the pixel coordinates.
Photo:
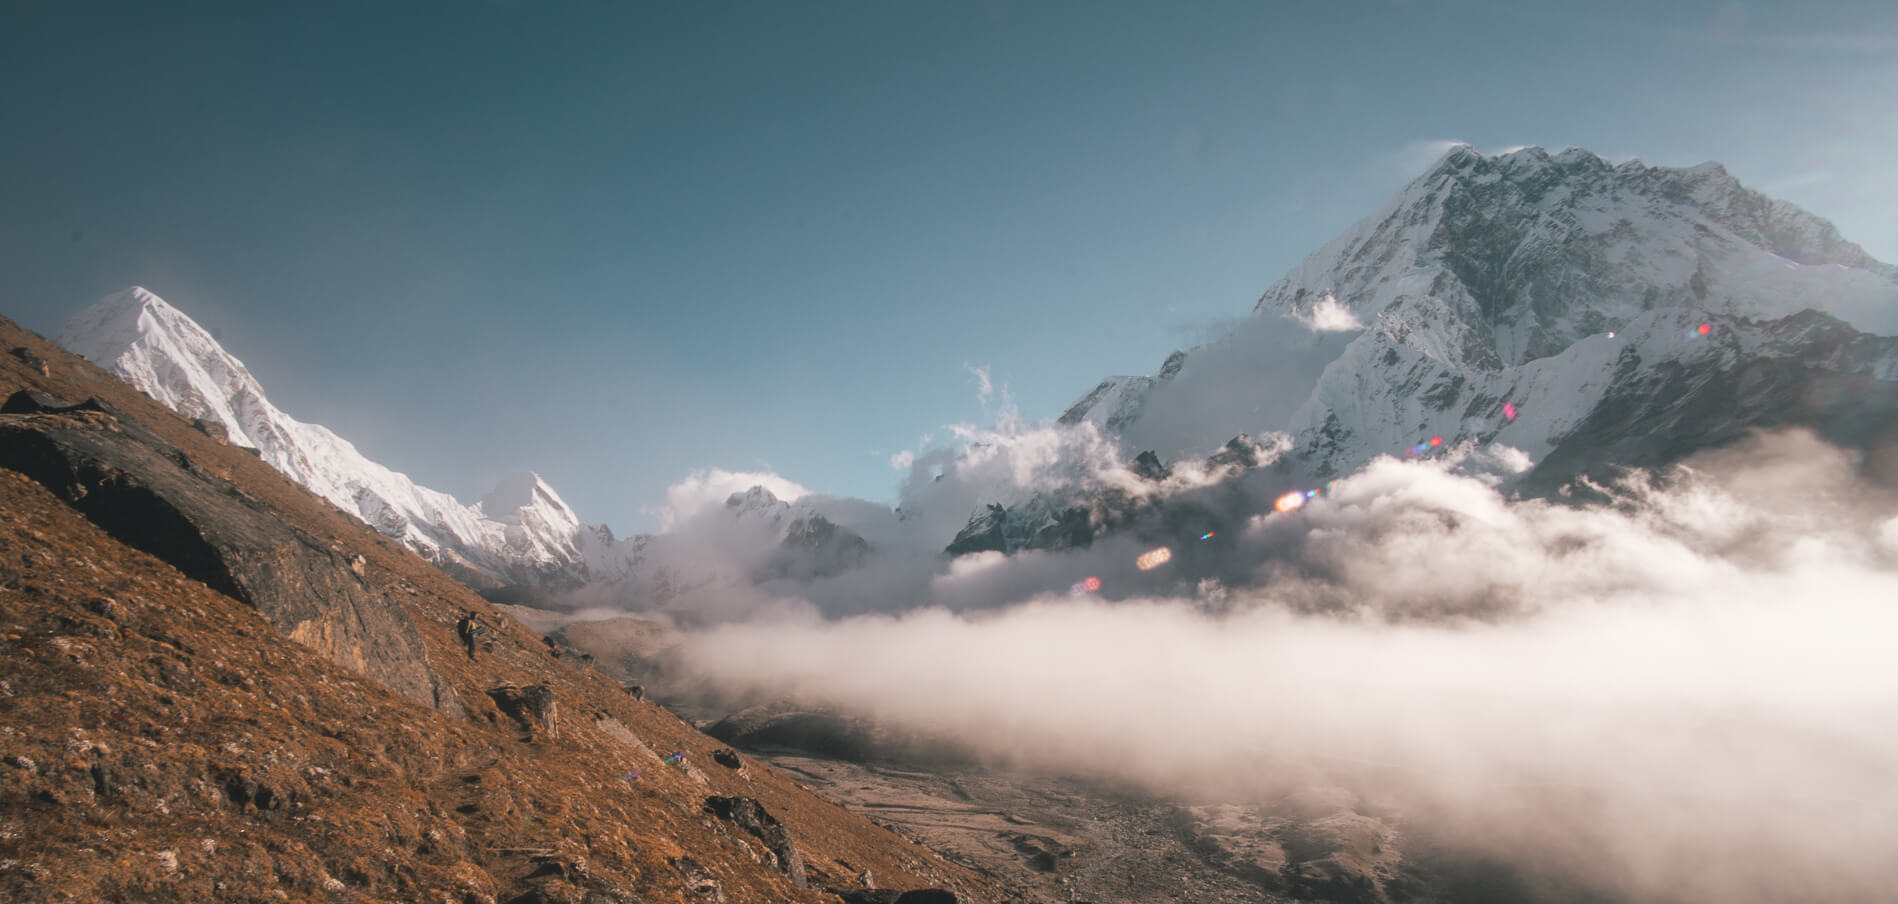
(1547, 281)
(134, 332)
(523, 494)
(521, 531)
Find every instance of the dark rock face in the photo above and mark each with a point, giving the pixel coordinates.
(983, 533)
(1072, 529)
(1148, 466)
(815, 547)
(532, 706)
(928, 896)
(1036, 526)
(213, 429)
(727, 758)
(31, 360)
(146, 493)
(1239, 454)
(1811, 370)
(746, 813)
(1077, 412)
(26, 401)
(868, 895)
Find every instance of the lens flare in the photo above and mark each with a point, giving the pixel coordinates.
(1153, 558)
(1091, 584)
(1509, 410)
(1289, 501)
(1206, 536)
(1436, 441)
(1704, 329)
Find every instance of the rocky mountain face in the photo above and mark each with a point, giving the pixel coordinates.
(215, 686)
(1592, 315)
(521, 534)
(521, 531)
(150, 495)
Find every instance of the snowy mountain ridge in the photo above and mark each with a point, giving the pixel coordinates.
(1579, 313)
(520, 531)
(1541, 282)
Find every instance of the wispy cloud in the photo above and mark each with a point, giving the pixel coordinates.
(1330, 315)
(710, 487)
(1417, 156)
(1797, 181)
(984, 386)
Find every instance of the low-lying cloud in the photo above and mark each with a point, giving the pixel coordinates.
(1686, 694)
(708, 488)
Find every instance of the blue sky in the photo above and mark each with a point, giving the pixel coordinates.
(617, 242)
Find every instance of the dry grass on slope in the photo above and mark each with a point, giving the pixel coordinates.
(160, 741)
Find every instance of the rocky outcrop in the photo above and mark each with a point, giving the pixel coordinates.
(985, 532)
(26, 401)
(1037, 524)
(1808, 370)
(180, 745)
(533, 707)
(1149, 467)
(815, 547)
(149, 495)
(867, 895)
(749, 815)
(31, 360)
(928, 896)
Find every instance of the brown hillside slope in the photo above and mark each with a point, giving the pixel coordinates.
(161, 741)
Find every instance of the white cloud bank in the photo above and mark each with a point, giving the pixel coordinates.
(1686, 695)
(710, 487)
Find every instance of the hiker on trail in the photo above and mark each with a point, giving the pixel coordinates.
(469, 627)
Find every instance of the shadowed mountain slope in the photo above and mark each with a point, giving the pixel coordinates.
(164, 739)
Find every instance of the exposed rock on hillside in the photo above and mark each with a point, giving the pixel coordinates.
(148, 494)
(749, 815)
(165, 739)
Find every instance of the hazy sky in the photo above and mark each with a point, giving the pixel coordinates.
(617, 242)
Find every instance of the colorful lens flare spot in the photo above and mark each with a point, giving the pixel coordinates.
(1509, 410)
(1206, 536)
(1079, 589)
(1704, 329)
(1289, 501)
(1153, 558)
(1091, 584)
(1436, 441)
